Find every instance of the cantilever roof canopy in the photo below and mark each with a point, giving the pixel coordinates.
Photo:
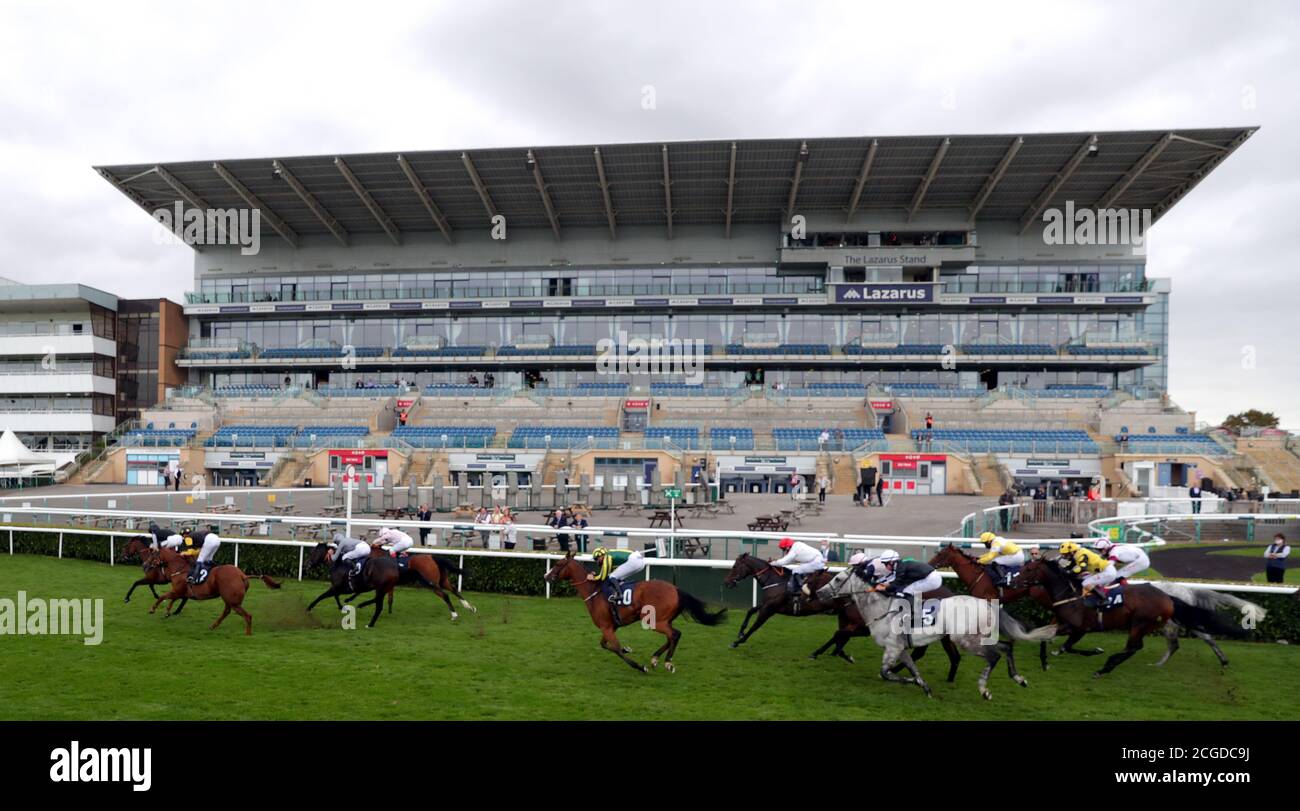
(722, 183)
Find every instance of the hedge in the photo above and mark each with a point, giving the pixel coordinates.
(523, 576)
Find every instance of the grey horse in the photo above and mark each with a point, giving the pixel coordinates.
(974, 625)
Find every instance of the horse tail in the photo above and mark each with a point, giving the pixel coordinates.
(270, 582)
(1016, 630)
(1205, 620)
(697, 610)
(447, 566)
(1212, 600)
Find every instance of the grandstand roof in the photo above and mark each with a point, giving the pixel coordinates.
(993, 177)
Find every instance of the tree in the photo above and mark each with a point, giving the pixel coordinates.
(1254, 418)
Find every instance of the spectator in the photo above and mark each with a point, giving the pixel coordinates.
(424, 514)
(1194, 493)
(796, 486)
(512, 532)
(880, 491)
(823, 484)
(1006, 500)
(929, 422)
(483, 518)
(557, 521)
(1275, 559)
(823, 438)
(401, 417)
(578, 520)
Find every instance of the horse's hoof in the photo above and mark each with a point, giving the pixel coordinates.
(736, 644)
(670, 667)
(987, 695)
(850, 660)
(654, 662)
(644, 670)
(126, 600)
(1022, 681)
(811, 656)
(1098, 674)
(626, 649)
(454, 616)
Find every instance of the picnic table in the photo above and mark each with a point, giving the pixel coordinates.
(663, 518)
(690, 547)
(630, 508)
(768, 523)
(396, 512)
(702, 511)
(790, 515)
(334, 510)
(723, 506)
(283, 509)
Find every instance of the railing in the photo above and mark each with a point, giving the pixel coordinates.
(503, 291)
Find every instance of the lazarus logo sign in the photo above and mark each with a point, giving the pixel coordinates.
(884, 293)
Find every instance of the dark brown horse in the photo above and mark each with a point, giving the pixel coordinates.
(775, 599)
(426, 570)
(153, 576)
(226, 582)
(1145, 609)
(380, 575)
(655, 604)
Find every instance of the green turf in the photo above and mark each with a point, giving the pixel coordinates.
(531, 658)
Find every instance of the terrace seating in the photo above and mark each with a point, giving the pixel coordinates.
(251, 390)
(974, 440)
(334, 430)
(1109, 350)
(387, 390)
(439, 352)
(840, 439)
(459, 390)
(1172, 443)
(157, 437)
(1008, 349)
(586, 390)
(688, 390)
(783, 349)
(720, 439)
(933, 390)
(563, 436)
(546, 351)
(688, 438)
(457, 436)
(829, 390)
(320, 352)
(1071, 390)
(254, 436)
(901, 349)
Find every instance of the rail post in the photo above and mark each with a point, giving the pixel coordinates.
(300, 563)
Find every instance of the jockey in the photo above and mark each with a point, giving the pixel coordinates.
(1097, 571)
(211, 543)
(174, 542)
(1003, 557)
(907, 578)
(397, 540)
(872, 570)
(613, 566)
(1128, 558)
(802, 560)
(347, 550)
(159, 535)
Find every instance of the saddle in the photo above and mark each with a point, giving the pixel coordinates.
(1107, 597)
(355, 571)
(403, 561)
(198, 574)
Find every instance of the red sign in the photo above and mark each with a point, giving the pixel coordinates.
(356, 456)
(636, 405)
(908, 461)
(882, 405)
(404, 403)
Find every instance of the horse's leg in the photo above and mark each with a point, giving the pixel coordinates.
(184, 600)
(248, 619)
(668, 631)
(609, 641)
(1075, 636)
(917, 655)
(446, 584)
(1171, 643)
(764, 612)
(954, 658)
(329, 592)
(672, 650)
(445, 599)
(144, 581)
(910, 663)
(740, 634)
(153, 590)
(1135, 634)
(991, 656)
(390, 601)
(224, 614)
(1009, 649)
(1042, 653)
(1214, 646)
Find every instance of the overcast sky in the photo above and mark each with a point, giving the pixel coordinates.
(122, 82)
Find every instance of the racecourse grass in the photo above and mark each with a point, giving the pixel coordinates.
(531, 658)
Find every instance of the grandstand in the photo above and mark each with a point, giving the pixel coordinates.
(917, 288)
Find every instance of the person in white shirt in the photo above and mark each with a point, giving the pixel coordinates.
(396, 540)
(1128, 560)
(802, 560)
(211, 543)
(823, 484)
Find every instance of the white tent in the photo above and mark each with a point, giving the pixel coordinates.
(19, 461)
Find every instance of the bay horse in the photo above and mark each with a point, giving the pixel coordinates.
(226, 582)
(426, 570)
(775, 599)
(655, 603)
(379, 574)
(1145, 609)
(153, 575)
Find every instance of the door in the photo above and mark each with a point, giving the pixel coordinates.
(938, 479)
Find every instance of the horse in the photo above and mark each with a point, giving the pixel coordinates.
(426, 570)
(776, 600)
(656, 602)
(1145, 609)
(965, 620)
(226, 582)
(153, 576)
(379, 574)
